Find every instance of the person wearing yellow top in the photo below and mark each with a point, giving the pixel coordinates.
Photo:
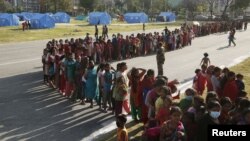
(164, 92)
(122, 133)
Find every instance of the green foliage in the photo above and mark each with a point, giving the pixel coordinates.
(2, 6)
(56, 5)
(6, 6)
(89, 5)
(241, 4)
(65, 5)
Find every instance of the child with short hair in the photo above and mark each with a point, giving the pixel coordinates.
(205, 60)
(122, 133)
(239, 82)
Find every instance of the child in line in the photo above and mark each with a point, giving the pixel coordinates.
(239, 82)
(122, 133)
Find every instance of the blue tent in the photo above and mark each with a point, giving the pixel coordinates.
(50, 14)
(96, 18)
(136, 17)
(9, 20)
(61, 17)
(27, 15)
(166, 17)
(41, 21)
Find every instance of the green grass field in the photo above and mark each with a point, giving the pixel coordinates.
(73, 29)
(244, 69)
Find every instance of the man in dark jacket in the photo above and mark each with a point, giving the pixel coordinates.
(160, 59)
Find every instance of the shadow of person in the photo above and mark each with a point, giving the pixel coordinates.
(221, 48)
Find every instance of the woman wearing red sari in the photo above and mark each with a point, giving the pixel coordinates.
(135, 76)
(201, 80)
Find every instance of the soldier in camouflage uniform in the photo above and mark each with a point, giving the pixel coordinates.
(160, 58)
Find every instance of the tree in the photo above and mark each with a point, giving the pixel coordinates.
(211, 6)
(88, 5)
(55, 5)
(132, 5)
(65, 5)
(241, 4)
(192, 6)
(5, 6)
(174, 3)
(2, 6)
(228, 3)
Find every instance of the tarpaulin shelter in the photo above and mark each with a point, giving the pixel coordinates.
(80, 17)
(166, 17)
(61, 17)
(102, 18)
(27, 15)
(9, 20)
(136, 17)
(41, 21)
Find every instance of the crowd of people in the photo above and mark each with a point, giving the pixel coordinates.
(70, 67)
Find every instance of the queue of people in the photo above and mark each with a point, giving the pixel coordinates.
(81, 69)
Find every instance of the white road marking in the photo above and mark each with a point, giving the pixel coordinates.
(21, 61)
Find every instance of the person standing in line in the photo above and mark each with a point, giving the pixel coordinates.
(105, 32)
(245, 25)
(91, 85)
(160, 59)
(231, 37)
(96, 32)
(70, 66)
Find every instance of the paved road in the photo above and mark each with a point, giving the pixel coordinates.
(31, 111)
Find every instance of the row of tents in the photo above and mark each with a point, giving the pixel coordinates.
(37, 20)
(59, 17)
(48, 20)
(104, 18)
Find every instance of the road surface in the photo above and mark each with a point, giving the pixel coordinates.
(32, 111)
